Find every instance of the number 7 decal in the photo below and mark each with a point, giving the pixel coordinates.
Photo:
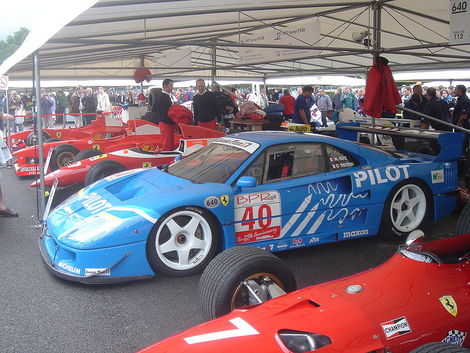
(243, 328)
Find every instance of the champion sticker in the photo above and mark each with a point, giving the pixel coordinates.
(396, 328)
(455, 337)
(212, 202)
(437, 176)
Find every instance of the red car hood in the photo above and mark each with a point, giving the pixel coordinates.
(400, 288)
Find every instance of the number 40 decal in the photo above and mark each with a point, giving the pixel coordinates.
(243, 328)
(263, 211)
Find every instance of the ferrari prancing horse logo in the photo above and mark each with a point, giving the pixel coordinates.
(224, 199)
(449, 304)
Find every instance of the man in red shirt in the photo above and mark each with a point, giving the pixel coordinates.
(288, 101)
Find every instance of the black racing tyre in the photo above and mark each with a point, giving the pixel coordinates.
(440, 347)
(183, 241)
(153, 99)
(221, 289)
(62, 156)
(406, 209)
(463, 222)
(90, 152)
(103, 169)
(32, 138)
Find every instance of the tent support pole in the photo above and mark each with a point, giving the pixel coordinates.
(37, 79)
(377, 23)
(213, 63)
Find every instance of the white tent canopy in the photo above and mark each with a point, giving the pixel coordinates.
(112, 38)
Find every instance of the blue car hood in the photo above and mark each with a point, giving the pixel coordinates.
(118, 210)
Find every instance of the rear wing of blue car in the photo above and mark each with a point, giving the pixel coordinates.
(450, 143)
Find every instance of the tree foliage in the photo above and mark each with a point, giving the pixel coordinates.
(12, 43)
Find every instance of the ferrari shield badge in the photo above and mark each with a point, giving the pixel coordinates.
(146, 164)
(224, 199)
(449, 304)
(58, 134)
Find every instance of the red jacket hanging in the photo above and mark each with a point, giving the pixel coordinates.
(381, 90)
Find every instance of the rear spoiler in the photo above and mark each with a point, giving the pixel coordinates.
(451, 143)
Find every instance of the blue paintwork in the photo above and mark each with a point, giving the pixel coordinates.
(109, 222)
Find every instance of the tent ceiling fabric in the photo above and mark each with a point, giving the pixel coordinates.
(113, 38)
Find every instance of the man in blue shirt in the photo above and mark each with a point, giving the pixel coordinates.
(302, 106)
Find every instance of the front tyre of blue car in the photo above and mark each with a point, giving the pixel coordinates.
(183, 241)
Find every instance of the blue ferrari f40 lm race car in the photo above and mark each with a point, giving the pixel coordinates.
(276, 191)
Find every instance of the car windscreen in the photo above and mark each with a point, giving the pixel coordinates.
(212, 164)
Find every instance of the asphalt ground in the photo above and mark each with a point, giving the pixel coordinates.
(42, 313)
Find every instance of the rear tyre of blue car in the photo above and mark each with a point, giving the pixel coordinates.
(183, 241)
(406, 209)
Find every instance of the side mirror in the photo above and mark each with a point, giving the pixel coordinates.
(246, 182)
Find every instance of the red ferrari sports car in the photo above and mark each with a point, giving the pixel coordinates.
(102, 127)
(417, 301)
(89, 170)
(146, 137)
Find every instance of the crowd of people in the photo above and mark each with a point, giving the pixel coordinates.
(306, 105)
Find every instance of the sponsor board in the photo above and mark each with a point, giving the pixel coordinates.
(296, 127)
(396, 328)
(257, 216)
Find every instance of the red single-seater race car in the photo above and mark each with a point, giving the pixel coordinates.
(418, 301)
(146, 137)
(100, 128)
(89, 170)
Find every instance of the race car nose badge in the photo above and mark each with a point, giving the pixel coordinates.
(224, 199)
(449, 304)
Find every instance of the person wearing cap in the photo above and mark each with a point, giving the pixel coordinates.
(462, 108)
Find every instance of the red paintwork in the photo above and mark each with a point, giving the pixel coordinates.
(77, 172)
(96, 130)
(401, 287)
(146, 142)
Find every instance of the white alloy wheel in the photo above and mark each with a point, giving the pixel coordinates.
(183, 240)
(408, 208)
